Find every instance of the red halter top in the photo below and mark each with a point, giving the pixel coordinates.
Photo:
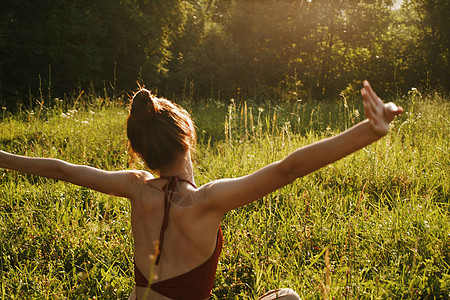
(192, 285)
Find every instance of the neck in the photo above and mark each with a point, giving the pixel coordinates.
(182, 168)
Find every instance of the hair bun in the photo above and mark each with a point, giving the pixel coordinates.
(143, 104)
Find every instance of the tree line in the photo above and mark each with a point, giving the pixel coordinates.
(260, 49)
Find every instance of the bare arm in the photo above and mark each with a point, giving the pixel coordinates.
(228, 194)
(118, 183)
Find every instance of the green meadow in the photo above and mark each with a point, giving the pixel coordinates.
(374, 225)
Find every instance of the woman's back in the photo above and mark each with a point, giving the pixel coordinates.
(191, 236)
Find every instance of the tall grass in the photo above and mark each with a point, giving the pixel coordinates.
(381, 215)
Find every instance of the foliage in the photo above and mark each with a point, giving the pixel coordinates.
(221, 49)
(63, 45)
(431, 26)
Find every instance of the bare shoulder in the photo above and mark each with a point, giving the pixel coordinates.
(227, 194)
(139, 179)
(142, 176)
(210, 193)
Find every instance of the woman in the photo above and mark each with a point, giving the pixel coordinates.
(183, 219)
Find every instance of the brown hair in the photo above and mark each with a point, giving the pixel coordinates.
(158, 130)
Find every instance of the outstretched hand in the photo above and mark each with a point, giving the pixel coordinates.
(379, 114)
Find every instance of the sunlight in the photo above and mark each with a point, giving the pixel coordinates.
(397, 4)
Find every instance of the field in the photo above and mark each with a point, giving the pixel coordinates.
(374, 225)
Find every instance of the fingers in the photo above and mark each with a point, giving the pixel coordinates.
(367, 104)
(370, 104)
(372, 94)
(399, 111)
(379, 114)
(374, 106)
(394, 109)
(368, 89)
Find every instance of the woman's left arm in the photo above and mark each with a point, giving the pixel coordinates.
(227, 194)
(118, 183)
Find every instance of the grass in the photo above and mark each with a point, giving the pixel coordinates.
(374, 225)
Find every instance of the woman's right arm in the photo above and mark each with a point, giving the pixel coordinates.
(118, 183)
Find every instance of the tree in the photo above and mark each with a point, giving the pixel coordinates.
(74, 44)
(432, 20)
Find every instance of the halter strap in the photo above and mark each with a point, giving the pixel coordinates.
(169, 189)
